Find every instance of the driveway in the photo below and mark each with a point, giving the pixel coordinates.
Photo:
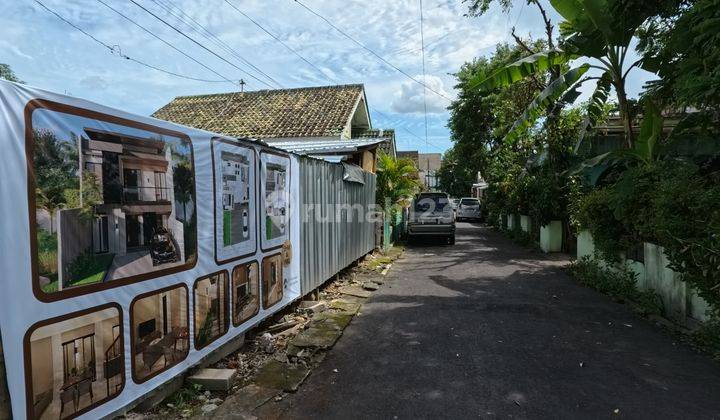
(487, 329)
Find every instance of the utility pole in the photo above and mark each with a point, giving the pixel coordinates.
(242, 85)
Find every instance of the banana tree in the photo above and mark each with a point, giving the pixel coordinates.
(599, 31)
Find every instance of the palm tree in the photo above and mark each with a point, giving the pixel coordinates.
(397, 181)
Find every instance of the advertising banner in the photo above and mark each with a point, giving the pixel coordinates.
(131, 248)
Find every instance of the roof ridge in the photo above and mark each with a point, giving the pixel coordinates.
(209, 95)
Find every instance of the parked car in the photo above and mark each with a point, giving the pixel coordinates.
(469, 209)
(431, 215)
(162, 248)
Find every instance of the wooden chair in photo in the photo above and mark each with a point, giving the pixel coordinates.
(85, 388)
(68, 396)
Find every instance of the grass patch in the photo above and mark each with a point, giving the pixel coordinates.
(227, 226)
(52, 286)
(88, 268)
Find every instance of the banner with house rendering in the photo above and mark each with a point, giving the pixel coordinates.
(132, 248)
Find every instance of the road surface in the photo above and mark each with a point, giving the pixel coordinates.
(486, 329)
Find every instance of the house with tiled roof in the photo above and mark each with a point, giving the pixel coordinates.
(309, 120)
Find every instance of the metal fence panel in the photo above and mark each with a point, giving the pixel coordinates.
(334, 229)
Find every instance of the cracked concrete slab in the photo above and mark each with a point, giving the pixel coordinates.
(281, 376)
(240, 404)
(355, 291)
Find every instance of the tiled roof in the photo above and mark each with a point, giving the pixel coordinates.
(303, 112)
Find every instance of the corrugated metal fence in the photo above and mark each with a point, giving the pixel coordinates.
(334, 228)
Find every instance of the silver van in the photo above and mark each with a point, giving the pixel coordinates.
(431, 215)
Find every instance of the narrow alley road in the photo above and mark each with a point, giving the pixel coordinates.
(486, 329)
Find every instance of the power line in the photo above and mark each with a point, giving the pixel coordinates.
(196, 26)
(422, 46)
(329, 78)
(193, 40)
(162, 40)
(276, 38)
(115, 49)
(360, 44)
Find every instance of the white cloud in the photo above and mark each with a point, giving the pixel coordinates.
(412, 97)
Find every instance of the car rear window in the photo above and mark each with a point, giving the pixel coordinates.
(431, 202)
(470, 201)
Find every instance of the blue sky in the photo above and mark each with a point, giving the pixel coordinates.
(48, 53)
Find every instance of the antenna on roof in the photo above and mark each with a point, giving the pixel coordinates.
(242, 85)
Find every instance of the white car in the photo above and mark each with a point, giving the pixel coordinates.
(469, 209)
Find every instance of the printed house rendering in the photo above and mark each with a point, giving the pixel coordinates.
(120, 205)
(235, 198)
(275, 196)
(76, 363)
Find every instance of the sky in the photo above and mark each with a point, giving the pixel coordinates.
(48, 53)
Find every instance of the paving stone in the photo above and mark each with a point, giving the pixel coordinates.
(320, 337)
(355, 291)
(214, 379)
(345, 306)
(244, 401)
(370, 286)
(281, 376)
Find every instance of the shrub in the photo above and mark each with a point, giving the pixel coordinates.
(619, 282)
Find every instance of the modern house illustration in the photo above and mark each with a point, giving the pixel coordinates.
(275, 200)
(76, 363)
(134, 221)
(160, 331)
(235, 197)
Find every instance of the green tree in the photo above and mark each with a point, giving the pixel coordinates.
(7, 73)
(600, 30)
(183, 185)
(55, 168)
(397, 181)
(682, 45)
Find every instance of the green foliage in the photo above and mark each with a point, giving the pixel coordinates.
(47, 253)
(91, 196)
(8, 74)
(532, 65)
(707, 337)
(55, 164)
(673, 204)
(618, 282)
(397, 181)
(88, 268)
(682, 46)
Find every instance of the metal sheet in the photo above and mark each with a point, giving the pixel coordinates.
(334, 228)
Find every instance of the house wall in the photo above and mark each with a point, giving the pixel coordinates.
(74, 237)
(42, 365)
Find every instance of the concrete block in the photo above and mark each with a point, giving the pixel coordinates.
(585, 244)
(223, 351)
(214, 379)
(525, 223)
(697, 307)
(665, 282)
(511, 222)
(551, 237)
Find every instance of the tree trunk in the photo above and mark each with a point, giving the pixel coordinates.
(625, 114)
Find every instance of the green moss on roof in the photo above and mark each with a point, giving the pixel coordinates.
(302, 112)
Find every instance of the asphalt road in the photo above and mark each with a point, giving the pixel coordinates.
(485, 329)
